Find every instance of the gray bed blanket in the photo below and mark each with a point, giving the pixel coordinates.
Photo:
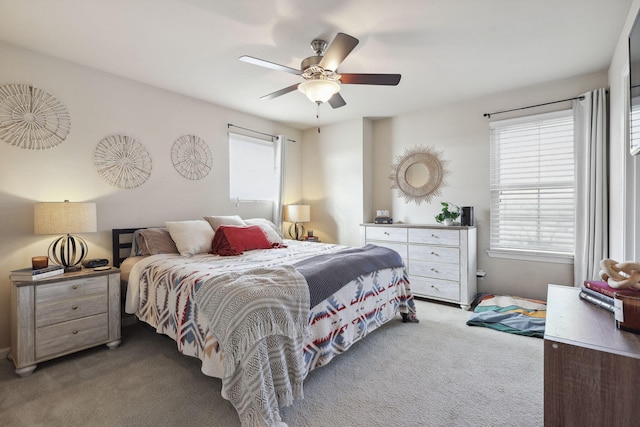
(327, 273)
(261, 320)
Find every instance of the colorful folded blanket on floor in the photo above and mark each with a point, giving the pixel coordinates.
(510, 314)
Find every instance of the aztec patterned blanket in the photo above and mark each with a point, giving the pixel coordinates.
(327, 273)
(261, 319)
(515, 315)
(161, 292)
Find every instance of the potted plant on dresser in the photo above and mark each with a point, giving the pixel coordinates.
(449, 213)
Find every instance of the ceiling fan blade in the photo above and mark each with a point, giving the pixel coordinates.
(267, 64)
(281, 92)
(370, 79)
(340, 47)
(337, 101)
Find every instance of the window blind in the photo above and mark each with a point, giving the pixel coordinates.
(532, 184)
(634, 121)
(254, 174)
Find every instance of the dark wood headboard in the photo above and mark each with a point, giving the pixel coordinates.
(121, 240)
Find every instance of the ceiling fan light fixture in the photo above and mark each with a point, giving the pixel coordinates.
(319, 90)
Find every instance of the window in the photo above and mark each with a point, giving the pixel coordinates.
(532, 186)
(254, 169)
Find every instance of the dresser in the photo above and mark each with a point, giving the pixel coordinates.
(591, 368)
(63, 314)
(440, 260)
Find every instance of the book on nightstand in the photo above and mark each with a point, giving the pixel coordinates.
(605, 289)
(25, 274)
(596, 298)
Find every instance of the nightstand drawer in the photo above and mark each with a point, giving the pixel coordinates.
(69, 309)
(434, 288)
(389, 234)
(438, 254)
(434, 236)
(52, 292)
(71, 336)
(434, 270)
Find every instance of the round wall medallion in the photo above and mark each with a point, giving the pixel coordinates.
(32, 119)
(191, 157)
(418, 174)
(122, 161)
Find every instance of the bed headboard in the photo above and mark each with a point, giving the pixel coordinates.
(121, 240)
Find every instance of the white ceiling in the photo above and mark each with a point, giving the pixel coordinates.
(446, 50)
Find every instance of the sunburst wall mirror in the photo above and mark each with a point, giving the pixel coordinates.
(419, 174)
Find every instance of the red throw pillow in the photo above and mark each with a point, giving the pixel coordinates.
(234, 240)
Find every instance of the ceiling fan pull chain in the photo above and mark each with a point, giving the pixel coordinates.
(318, 114)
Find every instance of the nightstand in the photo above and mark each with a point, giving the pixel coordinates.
(63, 314)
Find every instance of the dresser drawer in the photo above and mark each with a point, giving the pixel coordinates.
(434, 236)
(390, 234)
(72, 335)
(436, 254)
(434, 288)
(69, 309)
(52, 292)
(434, 270)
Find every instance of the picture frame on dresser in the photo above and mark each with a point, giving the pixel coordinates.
(441, 261)
(63, 314)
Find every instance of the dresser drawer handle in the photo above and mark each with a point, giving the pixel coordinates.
(75, 307)
(434, 253)
(75, 332)
(74, 287)
(386, 233)
(434, 270)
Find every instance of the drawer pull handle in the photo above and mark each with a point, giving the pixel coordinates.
(386, 233)
(75, 307)
(434, 270)
(74, 287)
(434, 253)
(75, 332)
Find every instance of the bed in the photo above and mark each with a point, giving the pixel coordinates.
(319, 304)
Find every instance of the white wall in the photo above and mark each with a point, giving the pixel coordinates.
(332, 179)
(101, 104)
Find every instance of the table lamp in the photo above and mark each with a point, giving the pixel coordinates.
(66, 218)
(296, 214)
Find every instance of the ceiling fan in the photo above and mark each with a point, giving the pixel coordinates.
(320, 72)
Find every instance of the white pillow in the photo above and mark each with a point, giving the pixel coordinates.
(191, 237)
(217, 221)
(270, 229)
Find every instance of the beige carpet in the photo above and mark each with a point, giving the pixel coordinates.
(439, 372)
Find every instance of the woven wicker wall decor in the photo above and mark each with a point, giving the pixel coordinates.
(31, 118)
(122, 161)
(191, 157)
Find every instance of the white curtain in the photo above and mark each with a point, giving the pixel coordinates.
(592, 200)
(280, 164)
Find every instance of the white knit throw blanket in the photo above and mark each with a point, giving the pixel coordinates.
(260, 318)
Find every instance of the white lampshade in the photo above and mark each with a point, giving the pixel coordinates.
(297, 213)
(64, 218)
(319, 90)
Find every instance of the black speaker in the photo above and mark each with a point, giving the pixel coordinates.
(93, 263)
(467, 216)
